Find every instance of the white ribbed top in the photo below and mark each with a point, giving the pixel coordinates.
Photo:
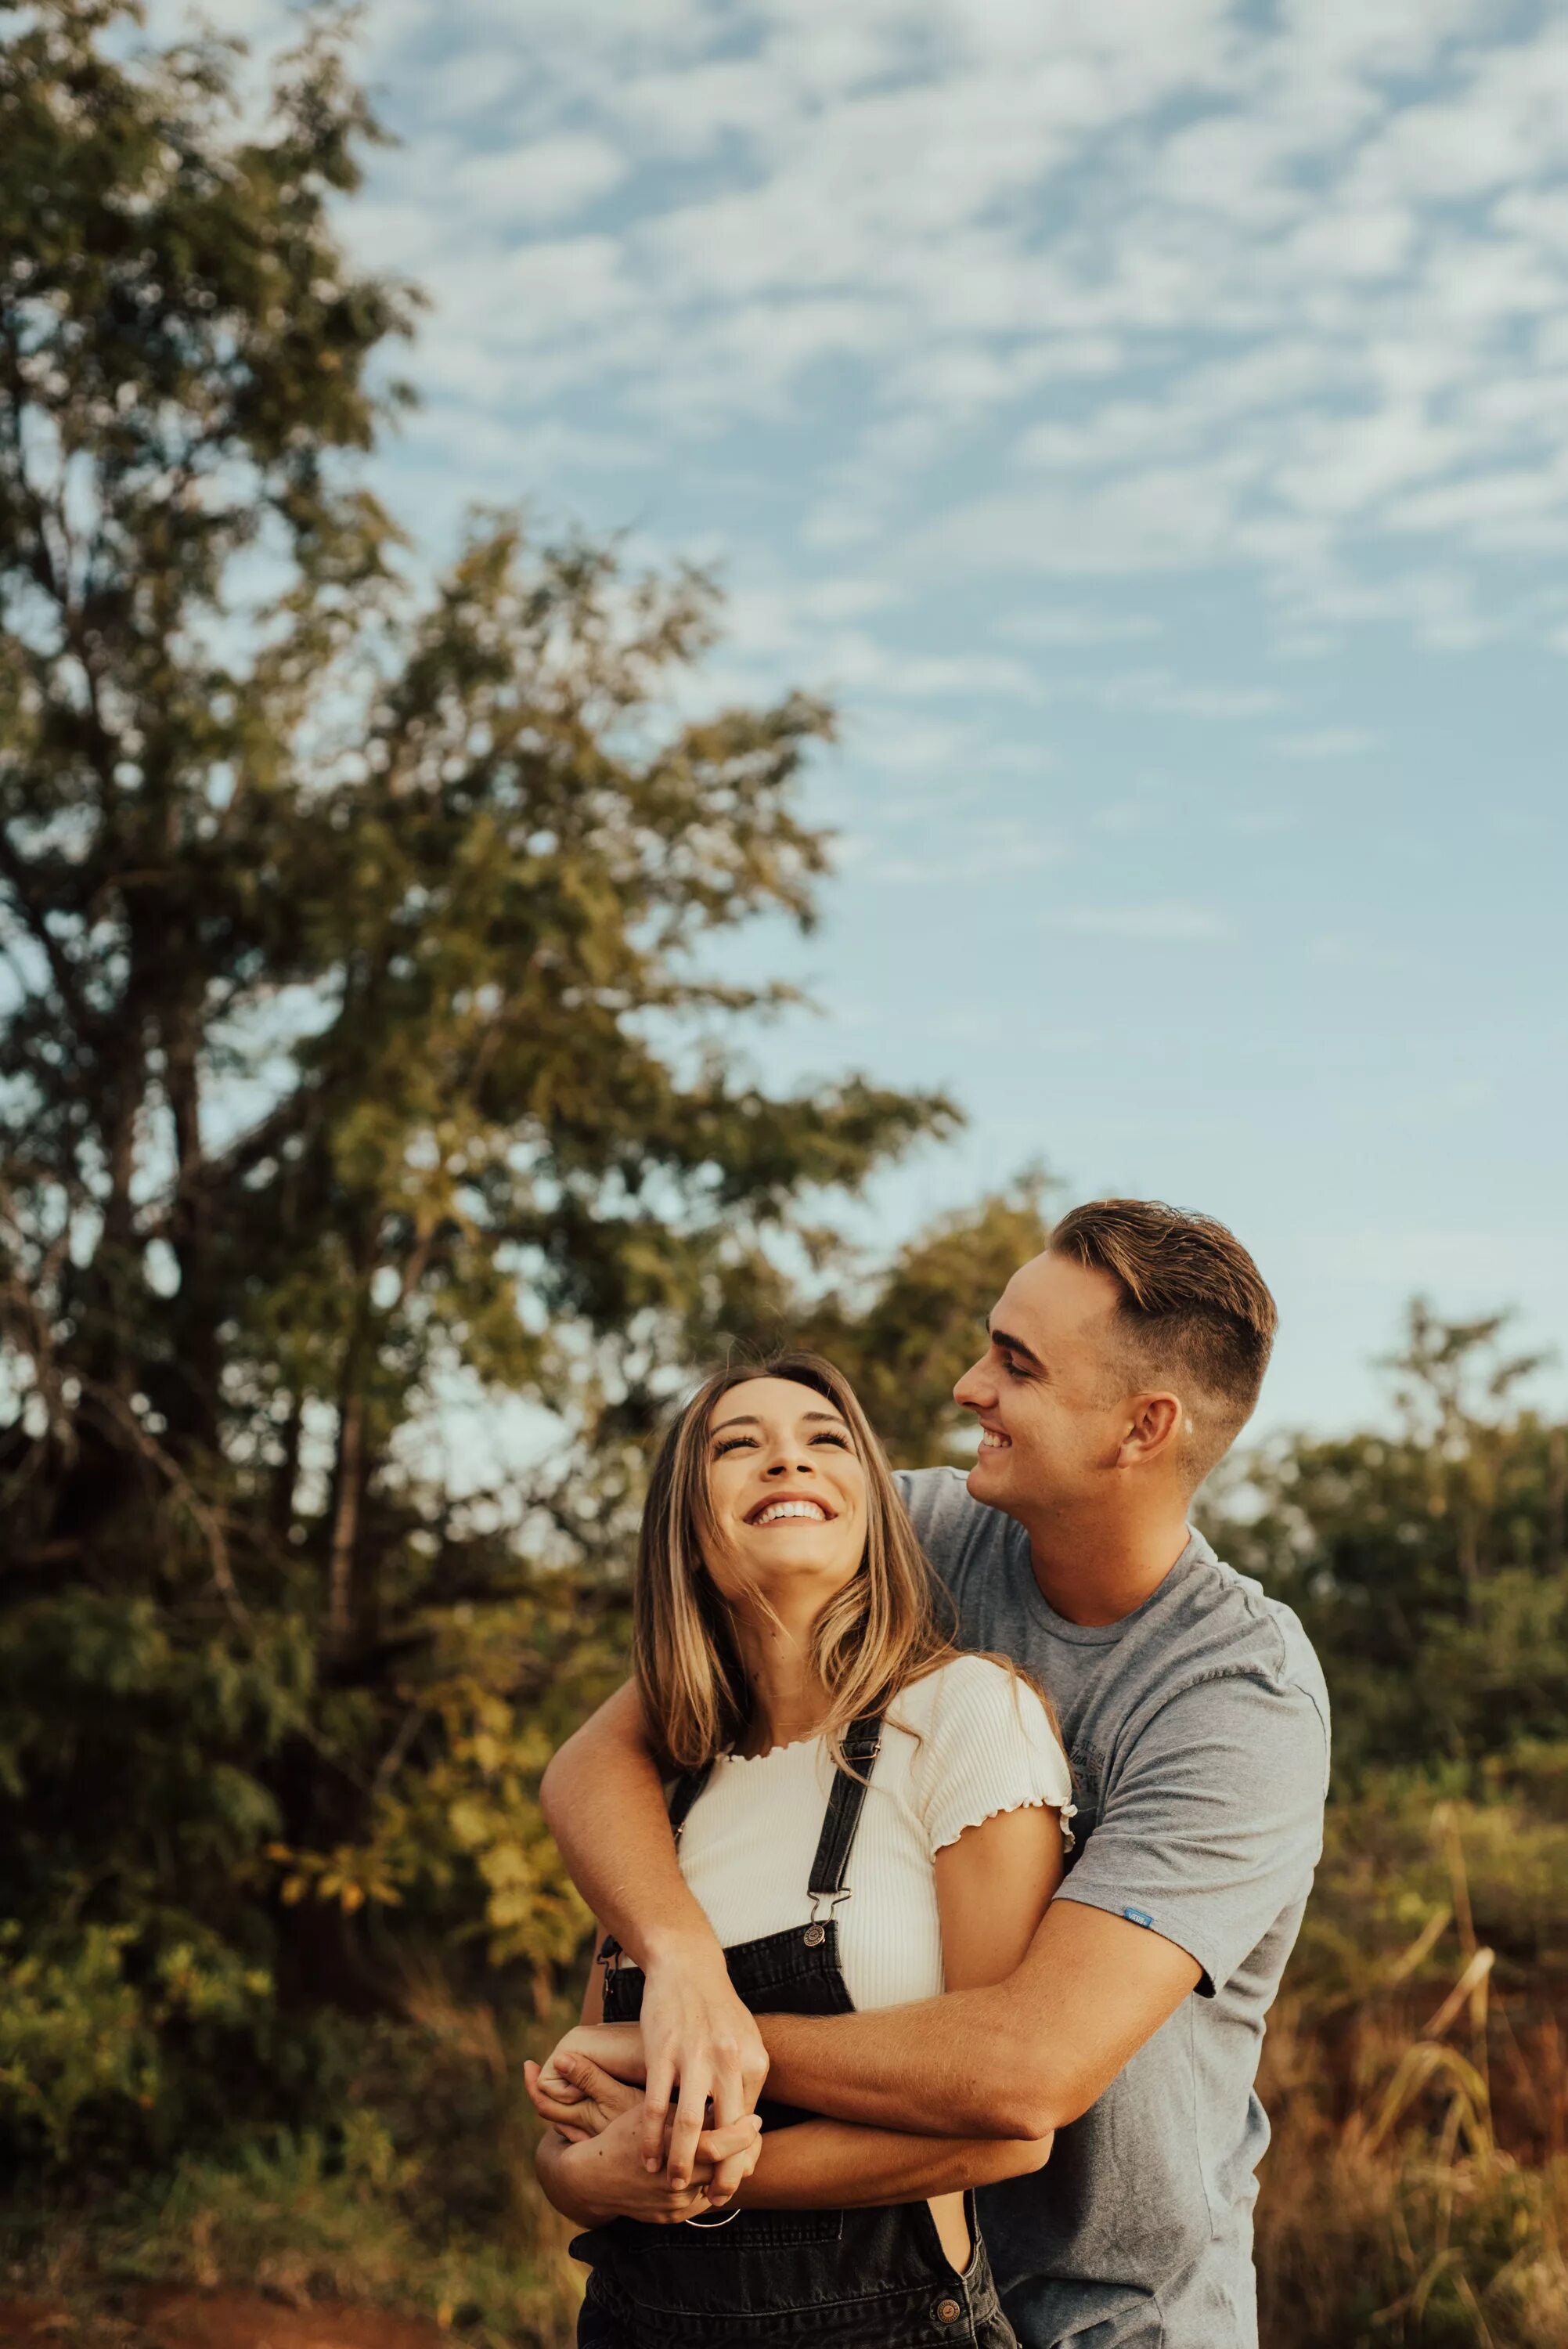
(982, 1743)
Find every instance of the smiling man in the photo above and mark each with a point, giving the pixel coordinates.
(1120, 1367)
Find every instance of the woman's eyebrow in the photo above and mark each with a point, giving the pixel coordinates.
(749, 1419)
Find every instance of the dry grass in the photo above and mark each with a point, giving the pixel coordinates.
(1416, 2195)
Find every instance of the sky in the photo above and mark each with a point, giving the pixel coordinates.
(1148, 419)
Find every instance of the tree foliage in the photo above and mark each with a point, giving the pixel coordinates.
(360, 1047)
(1429, 1563)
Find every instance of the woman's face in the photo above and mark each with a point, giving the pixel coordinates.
(787, 1491)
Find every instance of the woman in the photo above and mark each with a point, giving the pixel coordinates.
(868, 1817)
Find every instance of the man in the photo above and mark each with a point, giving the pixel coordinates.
(1120, 1367)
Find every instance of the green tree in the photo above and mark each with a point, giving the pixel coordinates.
(359, 1038)
(1428, 1562)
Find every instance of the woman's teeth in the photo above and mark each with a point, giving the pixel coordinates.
(807, 1509)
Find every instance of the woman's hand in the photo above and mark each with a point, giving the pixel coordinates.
(702, 2046)
(697, 2041)
(576, 2096)
(604, 2176)
(580, 2099)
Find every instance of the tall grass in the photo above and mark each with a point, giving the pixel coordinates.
(1416, 2195)
(418, 2196)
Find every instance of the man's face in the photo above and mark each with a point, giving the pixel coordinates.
(1049, 1391)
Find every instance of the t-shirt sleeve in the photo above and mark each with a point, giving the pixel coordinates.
(1214, 1824)
(988, 1747)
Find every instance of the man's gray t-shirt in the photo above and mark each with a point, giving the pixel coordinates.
(1198, 1732)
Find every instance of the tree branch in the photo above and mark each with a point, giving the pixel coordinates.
(14, 873)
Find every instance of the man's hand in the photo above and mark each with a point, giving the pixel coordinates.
(604, 2176)
(701, 2044)
(605, 1807)
(613, 2047)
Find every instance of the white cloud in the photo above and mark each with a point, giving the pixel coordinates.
(1224, 703)
(996, 853)
(1161, 691)
(860, 664)
(1161, 925)
(1101, 294)
(1360, 953)
(542, 179)
(1076, 627)
(1327, 742)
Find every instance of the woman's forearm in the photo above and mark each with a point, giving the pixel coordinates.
(833, 2165)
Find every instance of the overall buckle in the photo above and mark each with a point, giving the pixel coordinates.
(816, 1933)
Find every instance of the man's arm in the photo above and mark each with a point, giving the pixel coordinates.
(1208, 1839)
(1015, 2061)
(993, 1884)
(815, 2165)
(605, 1807)
(833, 2165)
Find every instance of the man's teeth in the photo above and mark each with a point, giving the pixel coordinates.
(777, 1509)
(992, 1443)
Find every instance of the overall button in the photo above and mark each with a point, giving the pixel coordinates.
(948, 2311)
(814, 1936)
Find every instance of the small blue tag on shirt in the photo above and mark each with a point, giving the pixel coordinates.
(1138, 1915)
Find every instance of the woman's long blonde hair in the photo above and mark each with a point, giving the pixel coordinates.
(875, 1635)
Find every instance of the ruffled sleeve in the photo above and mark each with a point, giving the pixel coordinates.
(986, 1745)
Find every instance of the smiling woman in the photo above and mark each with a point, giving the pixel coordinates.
(837, 1586)
(864, 1817)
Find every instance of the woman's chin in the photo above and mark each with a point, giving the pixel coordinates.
(799, 1556)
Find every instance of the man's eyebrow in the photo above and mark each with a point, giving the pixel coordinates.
(1014, 1346)
(749, 1419)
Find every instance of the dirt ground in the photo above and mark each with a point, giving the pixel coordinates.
(153, 2317)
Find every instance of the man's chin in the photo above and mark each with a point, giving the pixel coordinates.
(988, 1477)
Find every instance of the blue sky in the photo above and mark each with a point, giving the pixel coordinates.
(1149, 419)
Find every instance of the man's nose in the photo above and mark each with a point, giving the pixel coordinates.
(973, 1390)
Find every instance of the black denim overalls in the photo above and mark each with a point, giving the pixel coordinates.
(875, 2279)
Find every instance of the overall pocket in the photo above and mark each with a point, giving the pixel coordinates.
(754, 2231)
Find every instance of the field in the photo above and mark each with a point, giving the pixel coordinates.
(1415, 2191)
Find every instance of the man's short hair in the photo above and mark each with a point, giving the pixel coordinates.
(1194, 1309)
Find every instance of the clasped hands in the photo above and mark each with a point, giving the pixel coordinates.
(590, 2090)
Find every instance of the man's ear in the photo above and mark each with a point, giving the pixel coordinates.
(1156, 1428)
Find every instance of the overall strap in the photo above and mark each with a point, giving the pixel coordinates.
(862, 1743)
(683, 1793)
